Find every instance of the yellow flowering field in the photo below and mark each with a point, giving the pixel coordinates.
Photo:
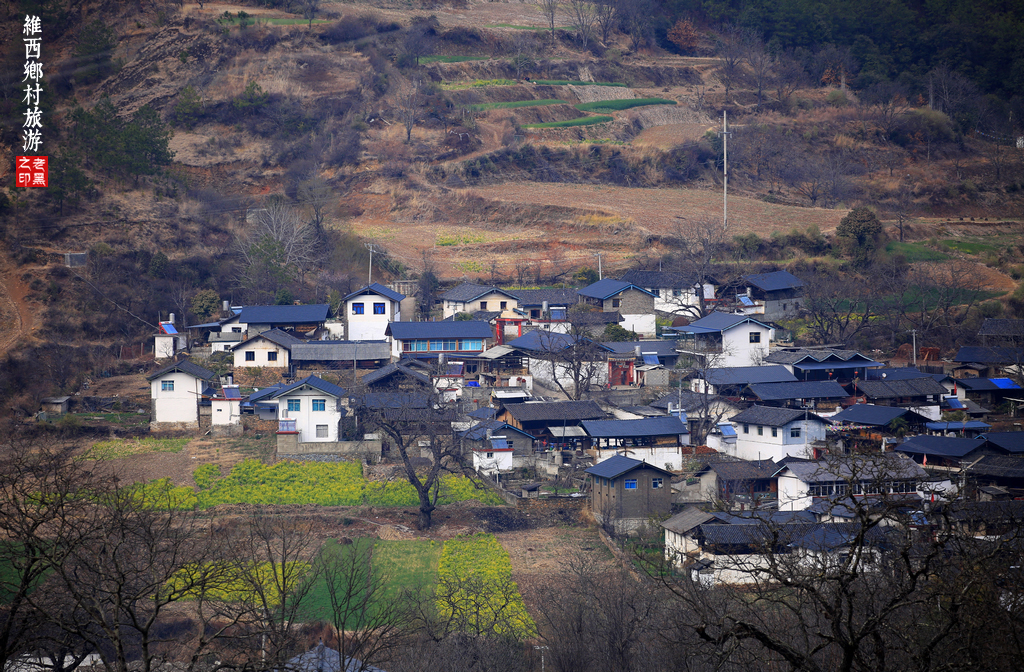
(235, 584)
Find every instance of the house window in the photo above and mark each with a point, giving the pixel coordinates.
(760, 430)
(775, 431)
(319, 404)
(321, 431)
(755, 337)
(357, 309)
(250, 356)
(378, 309)
(167, 386)
(783, 306)
(558, 313)
(677, 292)
(657, 483)
(746, 429)
(414, 346)
(442, 344)
(490, 455)
(271, 356)
(616, 303)
(630, 484)
(656, 292)
(534, 314)
(295, 404)
(471, 344)
(236, 330)
(794, 432)
(503, 305)
(483, 305)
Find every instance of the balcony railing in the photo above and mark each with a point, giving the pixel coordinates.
(286, 425)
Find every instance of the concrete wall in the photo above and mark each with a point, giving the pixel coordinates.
(753, 446)
(261, 348)
(369, 326)
(737, 350)
(289, 446)
(180, 404)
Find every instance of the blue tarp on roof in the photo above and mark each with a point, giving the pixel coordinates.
(650, 358)
(1005, 384)
(957, 426)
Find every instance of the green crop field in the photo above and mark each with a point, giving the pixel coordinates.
(621, 104)
(118, 448)
(581, 121)
(968, 247)
(915, 252)
(574, 82)
(518, 103)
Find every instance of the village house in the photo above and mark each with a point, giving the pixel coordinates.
(470, 298)
(773, 433)
(725, 340)
(674, 293)
(555, 358)
(635, 304)
(324, 355)
(893, 477)
(922, 395)
(547, 308)
(626, 493)
(177, 391)
(870, 427)
(739, 484)
(657, 441)
(297, 319)
(555, 424)
(732, 381)
(267, 349)
(822, 395)
(310, 410)
(448, 340)
(774, 296)
(494, 446)
(368, 311)
(823, 364)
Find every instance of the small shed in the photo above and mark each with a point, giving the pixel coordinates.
(55, 405)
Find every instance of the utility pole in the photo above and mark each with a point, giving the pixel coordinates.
(369, 279)
(913, 333)
(724, 133)
(600, 272)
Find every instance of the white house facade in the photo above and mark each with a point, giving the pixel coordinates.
(369, 310)
(312, 408)
(270, 349)
(176, 391)
(770, 433)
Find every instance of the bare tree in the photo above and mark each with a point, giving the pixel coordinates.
(549, 8)
(838, 307)
(698, 242)
(310, 8)
(407, 106)
(522, 49)
(316, 194)
(607, 17)
(277, 247)
(582, 16)
(888, 101)
(637, 18)
(757, 56)
(574, 361)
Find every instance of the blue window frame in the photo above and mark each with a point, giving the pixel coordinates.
(471, 344)
(319, 404)
(295, 404)
(378, 309)
(357, 309)
(630, 484)
(167, 385)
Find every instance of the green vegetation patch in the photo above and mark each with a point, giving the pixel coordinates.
(475, 580)
(236, 583)
(450, 240)
(915, 252)
(574, 82)
(968, 247)
(117, 448)
(408, 565)
(581, 121)
(622, 104)
(451, 59)
(519, 27)
(518, 103)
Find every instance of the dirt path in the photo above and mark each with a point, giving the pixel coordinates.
(16, 318)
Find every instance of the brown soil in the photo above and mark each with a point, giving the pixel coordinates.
(17, 319)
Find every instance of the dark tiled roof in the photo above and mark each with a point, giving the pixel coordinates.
(687, 519)
(595, 318)
(891, 389)
(887, 465)
(607, 288)
(719, 322)
(657, 279)
(977, 354)
(405, 331)
(313, 381)
(389, 370)
(999, 466)
(899, 373)
(744, 470)
(275, 336)
(745, 375)
(996, 326)
(661, 426)
(312, 313)
(479, 431)
(773, 282)
(811, 389)
(469, 292)
(537, 297)
(340, 351)
(759, 534)
(771, 416)
(184, 366)
(878, 416)
(1011, 442)
(541, 340)
(555, 411)
(944, 446)
(617, 465)
(483, 413)
(798, 355)
(377, 288)
(265, 392)
(987, 384)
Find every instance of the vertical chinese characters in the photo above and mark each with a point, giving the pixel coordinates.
(31, 171)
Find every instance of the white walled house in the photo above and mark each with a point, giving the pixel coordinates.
(635, 304)
(176, 391)
(891, 476)
(427, 340)
(673, 292)
(369, 310)
(725, 340)
(311, 408)
(271, 349)
(772, 433)
(226, 409)
(470, 298)
(168, 342)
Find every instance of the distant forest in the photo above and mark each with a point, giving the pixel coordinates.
(888, 40)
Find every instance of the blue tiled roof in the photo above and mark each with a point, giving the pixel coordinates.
(468, 291)
(945, 446)
(869, 414)
(989, 355)
(377, 288)
(718, 322)
(773, 282)
(810, 389)
(478, 432)
(316, 312)
(745, 375)
(406, 331)
(607, 288)
(541, 340)
(665, 426)
(618, 465)
(1012, 442)
(314, 382)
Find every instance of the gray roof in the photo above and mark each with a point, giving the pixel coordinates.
(999, 466)
(685, 398)
(545, 411)
(744, 470)
(658, 279)
(775, 281)
(276, 336)
(617, 465)
(745, 375)
(659, 426)
(877, 416)
(594, 318)
(987, 384)
(997, 326)
(184, 366)
(772, 416)
(313, 381)
(537, 297)
(394, 368)
(717, 322)
(405, 331)
(887, 465)
(310, 314)
(607, 288)
(891, 389)
(479, 431)
(798, 355)
(989, 355)
(898, 373)
(944, 446)
(468, 291)
(687, 519)
(1012, 442)
(377, 288)
(810, 389)
(340, 351)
